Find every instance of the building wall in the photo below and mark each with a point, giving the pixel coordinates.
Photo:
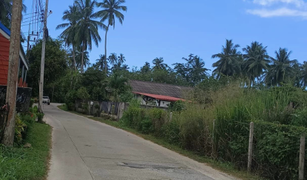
(155, 103)
(4, 59)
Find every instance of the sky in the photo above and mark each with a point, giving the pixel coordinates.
(173, 29)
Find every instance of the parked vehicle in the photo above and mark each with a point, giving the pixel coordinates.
(46, 100)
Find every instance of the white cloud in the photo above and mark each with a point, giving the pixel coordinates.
(279, 8)
(297, 3)
(277, 12)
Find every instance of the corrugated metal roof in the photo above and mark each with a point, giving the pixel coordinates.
(160, 97)
(6, 30)
(159, 88)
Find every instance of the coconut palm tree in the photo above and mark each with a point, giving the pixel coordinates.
(256, 61)
(111, 10)
(229, 60)
(113, 58)
(87, 27)
(81, 63)
(197, 72)
(71, 15)
(121, 58)
(159, 65)
(146, 68)
(282, 68)
(101, 62)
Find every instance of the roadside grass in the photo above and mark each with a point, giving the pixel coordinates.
(225, 167)
(19, 163)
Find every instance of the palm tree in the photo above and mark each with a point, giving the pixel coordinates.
(72, 16)
(111, 10)
(256, 61)
(159, 65)
(80, 63)
(101, 62)
(87, 27)
(229, 60)
(113, 58)
(282, 68)
(121, 58)
(118, 85)
(198, 72)
(146, 68)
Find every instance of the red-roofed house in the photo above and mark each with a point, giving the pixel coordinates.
(4, 59)
(158, 94)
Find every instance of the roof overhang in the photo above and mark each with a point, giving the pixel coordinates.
(6, 33)
(160, 97)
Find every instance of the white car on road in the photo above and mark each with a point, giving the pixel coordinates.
(46, 100)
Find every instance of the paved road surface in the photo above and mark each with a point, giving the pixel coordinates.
(83, 149)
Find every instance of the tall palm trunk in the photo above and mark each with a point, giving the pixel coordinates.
(74, 57)
(105, 50)
(82, 57)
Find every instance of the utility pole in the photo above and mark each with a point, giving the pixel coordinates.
(12, 79)
(41, 82)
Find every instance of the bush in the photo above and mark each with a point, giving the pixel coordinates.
(40, 117)
(20, 128)
(82, 94)
(70, 100)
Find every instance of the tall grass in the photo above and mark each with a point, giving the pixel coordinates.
(233, 107)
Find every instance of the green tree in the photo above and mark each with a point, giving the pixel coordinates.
(229, 60)
(118, 85)
(256, 61)
(159, 65)
(95, 81)
(55, 65)
(304, 74)
(102, 62)
(113, 58)
(282, 69)
(146, 68)
(72, 15)
(87, 27)
(6, 12)
(193, 70)
(111, 10)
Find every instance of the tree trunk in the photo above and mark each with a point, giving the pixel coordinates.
(82, 58)
(74, 57)
(12, 80)
(105, 50)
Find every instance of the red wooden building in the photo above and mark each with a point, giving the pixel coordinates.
(4, 59)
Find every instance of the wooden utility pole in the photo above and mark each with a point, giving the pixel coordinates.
(302, 158)
(12, 79)
(41, 82)
(250, 147)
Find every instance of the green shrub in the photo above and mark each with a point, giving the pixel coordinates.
(82, 94)
(40, 117)
(177, 106)
(70, 100)
(20, 128)
(171, 132)
(276, 150)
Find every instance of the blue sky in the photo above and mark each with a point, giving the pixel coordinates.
(174, 29)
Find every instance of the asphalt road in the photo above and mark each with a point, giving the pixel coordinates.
(84, 149)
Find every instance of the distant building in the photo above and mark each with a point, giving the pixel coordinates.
(157, 94)
(4, 59)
